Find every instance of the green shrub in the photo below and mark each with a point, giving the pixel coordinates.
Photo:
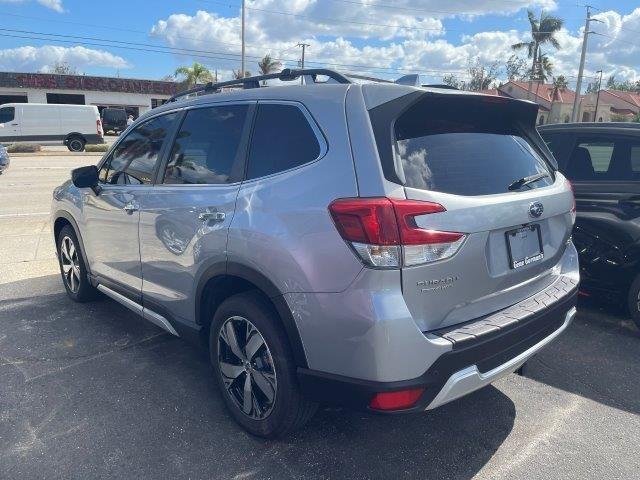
(24, 148)
(99, 147)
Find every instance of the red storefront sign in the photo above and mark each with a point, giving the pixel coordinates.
(81, 82)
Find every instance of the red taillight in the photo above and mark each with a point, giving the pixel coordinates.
(396, 400)
(410, 233)
(99, 127)
(573, 206)
(378, 227)
(366, 220)
(573, 192)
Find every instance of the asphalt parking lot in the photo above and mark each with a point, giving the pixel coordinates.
(93, 391)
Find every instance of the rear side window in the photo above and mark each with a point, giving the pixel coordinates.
(7, 114)
(452, 147)
(590, 160)
(207, 146)
(635, 160)
(134, 159)
(282, 139)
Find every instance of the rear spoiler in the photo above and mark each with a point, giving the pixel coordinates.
(521, 113)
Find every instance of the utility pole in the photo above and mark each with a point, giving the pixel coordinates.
(304, 46)
(576, 100)
(242, 67)
(595, 114)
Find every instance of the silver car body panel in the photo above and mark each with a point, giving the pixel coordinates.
(352, 321)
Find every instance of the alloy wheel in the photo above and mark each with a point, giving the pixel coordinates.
(247, 368)
(70, 264)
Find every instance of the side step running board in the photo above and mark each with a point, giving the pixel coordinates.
(144, 312)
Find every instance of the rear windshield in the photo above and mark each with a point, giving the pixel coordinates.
(464, 148)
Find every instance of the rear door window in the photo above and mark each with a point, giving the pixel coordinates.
(282, 139)
(207, 148)
(442, 148)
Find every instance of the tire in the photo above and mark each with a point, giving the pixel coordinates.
(73, 267)
(251, 316)
(76, 144)
(633, 301)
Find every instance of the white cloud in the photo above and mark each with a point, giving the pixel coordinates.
(416, 44)
(52, 4)
(42, 59)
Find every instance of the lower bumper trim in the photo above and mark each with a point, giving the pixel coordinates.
(457, 372)
(471, 379)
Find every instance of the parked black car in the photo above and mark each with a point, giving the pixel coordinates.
(602, 160)
(4, 158)
(114, 120)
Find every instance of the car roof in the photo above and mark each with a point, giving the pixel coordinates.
(374, 94)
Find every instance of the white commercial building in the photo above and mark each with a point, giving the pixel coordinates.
(136, 96)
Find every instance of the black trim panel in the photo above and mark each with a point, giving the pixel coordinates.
(248, 274)
(67, 216)
(486, 354)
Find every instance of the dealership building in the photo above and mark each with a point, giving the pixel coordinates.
(136, 96)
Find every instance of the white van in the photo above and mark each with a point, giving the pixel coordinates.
(72, 125)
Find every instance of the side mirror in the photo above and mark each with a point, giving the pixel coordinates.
(86, 177)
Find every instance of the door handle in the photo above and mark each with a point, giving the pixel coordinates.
(211, 215)
(131, 207)
(14, 124)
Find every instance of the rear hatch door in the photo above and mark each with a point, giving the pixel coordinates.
(481, 159)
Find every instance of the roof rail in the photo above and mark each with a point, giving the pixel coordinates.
(285, 75)
(440, 85)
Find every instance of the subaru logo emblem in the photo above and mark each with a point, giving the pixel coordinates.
(536, 209)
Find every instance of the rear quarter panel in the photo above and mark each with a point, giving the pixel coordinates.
(282, 227)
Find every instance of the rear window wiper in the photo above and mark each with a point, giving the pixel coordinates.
(527, 180)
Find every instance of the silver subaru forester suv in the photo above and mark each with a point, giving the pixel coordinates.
(381, 246)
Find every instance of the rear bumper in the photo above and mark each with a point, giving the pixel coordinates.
(480, 356)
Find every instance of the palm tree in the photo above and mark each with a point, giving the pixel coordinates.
(543, 31)
(197, 73)
(560, 83)
(237, 74)
(545, 69)
(268, 65)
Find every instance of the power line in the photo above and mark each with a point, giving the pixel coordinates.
(100, 42)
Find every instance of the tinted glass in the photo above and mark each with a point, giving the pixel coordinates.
(464, 152)
(282, 139)
(601, 154)
(207, 146)
(7, 114)
(135, 157)
(590, 160)
(635, 161)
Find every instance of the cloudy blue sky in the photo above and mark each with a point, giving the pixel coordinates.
(145, 39)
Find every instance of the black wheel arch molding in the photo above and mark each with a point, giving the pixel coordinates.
(248, 274)
(63, 214)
